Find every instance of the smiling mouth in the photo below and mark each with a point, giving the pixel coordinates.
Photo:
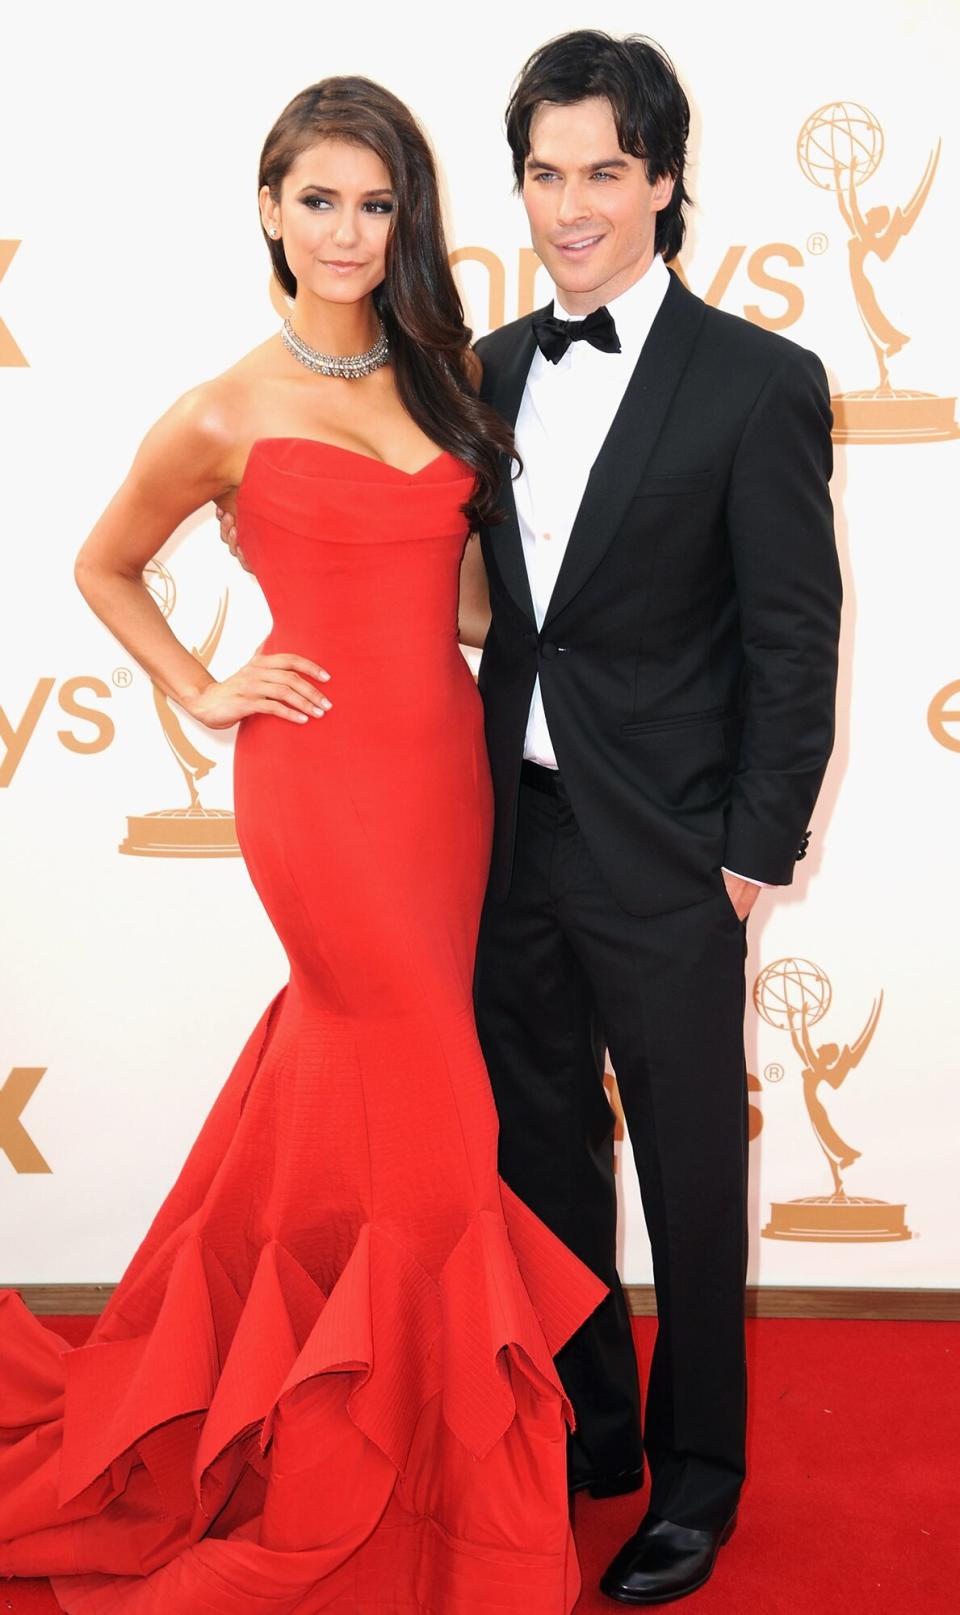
(583, 245)
(340, 263)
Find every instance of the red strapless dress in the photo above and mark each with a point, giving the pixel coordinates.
(325, 1381)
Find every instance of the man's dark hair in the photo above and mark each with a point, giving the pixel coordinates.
(649, 107)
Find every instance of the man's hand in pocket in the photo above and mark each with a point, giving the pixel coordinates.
(742, 893)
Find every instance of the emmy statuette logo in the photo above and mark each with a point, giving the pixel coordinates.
(840, 148)
(793, 995)
(193, 831)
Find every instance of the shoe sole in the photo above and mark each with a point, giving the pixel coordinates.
(638, 1600)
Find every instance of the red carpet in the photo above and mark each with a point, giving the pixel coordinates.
(852, 1507)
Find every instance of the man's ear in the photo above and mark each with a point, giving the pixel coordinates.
(662, 192)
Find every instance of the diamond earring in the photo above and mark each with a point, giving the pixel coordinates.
(273, 231)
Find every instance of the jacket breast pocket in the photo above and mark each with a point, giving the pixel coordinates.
(674, 485)
(649, 726)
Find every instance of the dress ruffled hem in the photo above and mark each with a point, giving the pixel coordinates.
(145, 1455)
(238, 1436)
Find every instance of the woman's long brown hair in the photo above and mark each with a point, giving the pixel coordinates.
(418, 299)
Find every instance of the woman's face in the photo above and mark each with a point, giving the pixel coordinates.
(334, 219)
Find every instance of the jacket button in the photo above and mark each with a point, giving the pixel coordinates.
(549, 650)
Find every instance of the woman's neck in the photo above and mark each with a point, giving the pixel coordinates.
(336, 328)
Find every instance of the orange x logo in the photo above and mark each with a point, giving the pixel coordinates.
(9, 352)
(14, 1138)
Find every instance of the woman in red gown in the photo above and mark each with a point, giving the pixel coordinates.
(325, 1381)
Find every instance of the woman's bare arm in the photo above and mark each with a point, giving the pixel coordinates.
(184, 461)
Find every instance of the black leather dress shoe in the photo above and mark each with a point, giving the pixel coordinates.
(626, 1480)
(663, 1561)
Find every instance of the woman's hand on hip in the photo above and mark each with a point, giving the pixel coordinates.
(280, 684)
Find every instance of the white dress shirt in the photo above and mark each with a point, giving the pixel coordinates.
(565, 414)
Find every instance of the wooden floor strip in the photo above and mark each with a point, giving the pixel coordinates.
(763, 1301)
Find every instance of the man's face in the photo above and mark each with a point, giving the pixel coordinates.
(592, 210)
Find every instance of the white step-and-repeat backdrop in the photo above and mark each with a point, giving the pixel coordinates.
(824, 164)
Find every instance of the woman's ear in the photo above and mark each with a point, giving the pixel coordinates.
(269, 213)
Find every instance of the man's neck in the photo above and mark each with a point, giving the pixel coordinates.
(577, 305)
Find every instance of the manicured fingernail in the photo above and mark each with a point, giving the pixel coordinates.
(301, 717)
(322, 673)
(319, 711)
(233, 532)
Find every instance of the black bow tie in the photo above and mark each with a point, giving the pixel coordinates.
(555, 336)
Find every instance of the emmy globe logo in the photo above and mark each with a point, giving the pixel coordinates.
(839, 149)
(794, 995)
(191, 831)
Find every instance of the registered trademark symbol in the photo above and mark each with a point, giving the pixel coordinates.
(122, 677)
(817, 243)
(774, 1071)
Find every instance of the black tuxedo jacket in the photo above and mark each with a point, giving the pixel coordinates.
(688, 657)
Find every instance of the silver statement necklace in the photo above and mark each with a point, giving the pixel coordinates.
(350, 366)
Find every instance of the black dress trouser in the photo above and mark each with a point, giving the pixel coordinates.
(562, 970)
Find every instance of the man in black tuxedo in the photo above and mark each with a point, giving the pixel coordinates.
(658, 681)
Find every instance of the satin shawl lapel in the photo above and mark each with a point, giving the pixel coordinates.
(628, 445)
(506, 397)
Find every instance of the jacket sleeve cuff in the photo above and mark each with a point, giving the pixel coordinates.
(770, 858)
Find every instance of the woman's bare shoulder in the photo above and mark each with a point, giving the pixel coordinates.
(218, 416)
(236, 392)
